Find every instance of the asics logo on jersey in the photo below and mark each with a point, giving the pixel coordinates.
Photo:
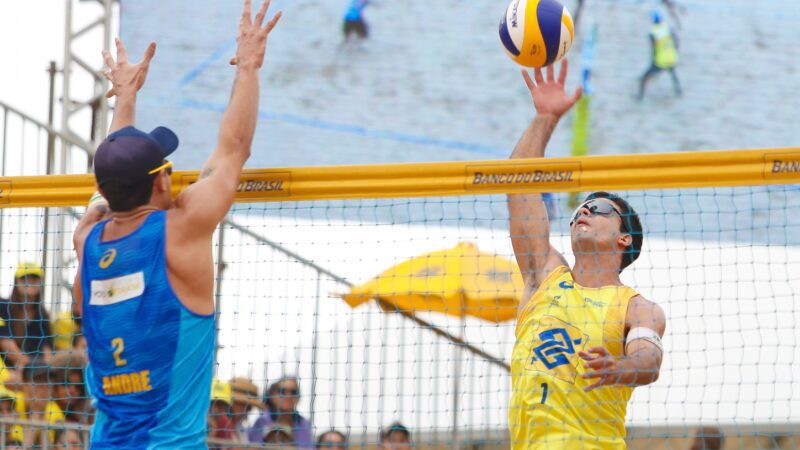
(566, 285)
(108, 258)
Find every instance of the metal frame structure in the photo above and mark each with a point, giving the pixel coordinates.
(71, 106)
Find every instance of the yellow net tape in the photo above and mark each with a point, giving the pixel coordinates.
(647, 171)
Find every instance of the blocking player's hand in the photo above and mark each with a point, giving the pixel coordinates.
(126, 78)
(602, 366)
(549, 96)
(252, 39)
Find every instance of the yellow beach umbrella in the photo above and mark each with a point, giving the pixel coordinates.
(458, 281)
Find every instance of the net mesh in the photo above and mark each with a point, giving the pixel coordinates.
(721, 262)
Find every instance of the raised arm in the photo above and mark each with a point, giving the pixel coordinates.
(126, 80)
(206, 202)
(529, 225)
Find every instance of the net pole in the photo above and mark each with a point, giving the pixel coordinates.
(314, 350)
(218, 288)
(3, 173)
(457, 377)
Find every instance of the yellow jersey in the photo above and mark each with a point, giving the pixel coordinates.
(549, 408)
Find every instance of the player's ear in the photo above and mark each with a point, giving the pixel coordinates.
(160, 182)
(625, 240)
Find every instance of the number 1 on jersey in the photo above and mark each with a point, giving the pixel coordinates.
(119, 347)
(544, 392)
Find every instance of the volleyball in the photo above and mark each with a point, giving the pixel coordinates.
(536, 33)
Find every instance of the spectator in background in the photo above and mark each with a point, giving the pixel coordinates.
(10, 409)
(332, 440)
(68, 388)
(24, 323)
(664, 54)
(396, 437)
(708, 438)
(65, 439)
(66, 330)
(219, 412)
(14, 444)
(244, 398)
(59, 394)
(279, 434)
(354, 23)
(281, 399)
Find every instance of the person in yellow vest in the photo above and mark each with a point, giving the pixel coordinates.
(65, 330)
(584, 340)
(665, 55)
(12, 406)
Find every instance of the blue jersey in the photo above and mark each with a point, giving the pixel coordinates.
(150, 358)
(354, 10)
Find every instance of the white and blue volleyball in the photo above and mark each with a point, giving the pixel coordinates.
(536, 33)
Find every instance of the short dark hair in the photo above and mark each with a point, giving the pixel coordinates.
(708, 438)
(321, 444)
(395, 428)
(630, 225)
(124, 197)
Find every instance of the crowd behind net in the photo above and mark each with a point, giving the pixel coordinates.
(721, 261)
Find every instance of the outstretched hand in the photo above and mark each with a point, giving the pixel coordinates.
(549, 96)
(126, 78)
(252, 39)
(601, 365)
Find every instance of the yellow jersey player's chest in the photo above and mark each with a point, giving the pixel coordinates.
(561, 322)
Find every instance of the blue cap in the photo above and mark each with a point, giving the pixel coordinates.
(656, 16)
(129, 154)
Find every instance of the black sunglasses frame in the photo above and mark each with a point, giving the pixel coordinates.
(598, 208)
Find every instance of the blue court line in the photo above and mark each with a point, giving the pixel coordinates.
(197, 70)
(355, 129)
(217, 54)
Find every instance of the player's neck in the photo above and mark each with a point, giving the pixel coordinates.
(133, 215)
(596, 272)
(123, 223)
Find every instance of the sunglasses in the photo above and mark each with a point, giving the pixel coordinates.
(289, 392)
(596, 207)
(166, 167)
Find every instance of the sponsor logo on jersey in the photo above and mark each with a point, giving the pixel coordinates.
(108, 258)
(115, 290)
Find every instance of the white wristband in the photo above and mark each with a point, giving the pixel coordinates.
(644, 333)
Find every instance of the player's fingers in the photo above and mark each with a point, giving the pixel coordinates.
(148, 54)
(122, 53)
(526, 76)
(598, 350)
(538, 74)
(593, 386)
(551, 74)
(562, 74)
(599, 363)
(108, 59)
(262, 12)
(110, 93)
(271, 24)
(596, 374)
(578, 94)
(246, 14)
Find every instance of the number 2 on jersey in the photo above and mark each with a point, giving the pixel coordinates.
(119, 347)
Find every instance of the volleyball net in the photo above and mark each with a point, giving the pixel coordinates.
(388, 293)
